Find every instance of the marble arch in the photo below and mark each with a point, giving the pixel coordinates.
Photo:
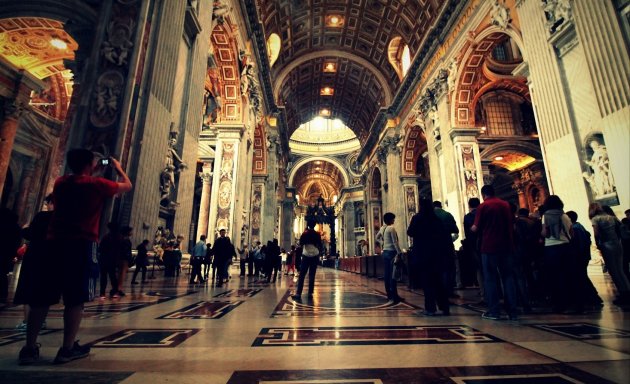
(306, 160)
(225, 53)
(412, 148)
(469, 70)
(511, 146)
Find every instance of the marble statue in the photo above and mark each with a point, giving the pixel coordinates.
(500, 15)
(173, 164)
(557, 11)
(600, 179)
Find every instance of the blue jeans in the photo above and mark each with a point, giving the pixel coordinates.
(308, 264)
(498, 266)
(388, 269)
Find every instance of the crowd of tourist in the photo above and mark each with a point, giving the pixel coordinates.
(517, 259)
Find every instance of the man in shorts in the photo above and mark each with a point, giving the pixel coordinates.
(72, 235)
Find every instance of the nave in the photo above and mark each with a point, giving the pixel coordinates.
(250, 331)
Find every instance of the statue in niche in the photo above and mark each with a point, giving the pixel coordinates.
(434, 116)
(220, 10)
(117, 46)
(500, 15)
(557, 12)
(212, 99)
(249, 85)
(600, 179)
(452, 75)
(173, 164)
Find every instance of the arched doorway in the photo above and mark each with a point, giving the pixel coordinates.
(488, 96)
(318, 183)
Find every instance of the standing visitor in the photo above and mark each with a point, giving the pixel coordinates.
(37, 250)
(243, 254)
(584, 290)
(11, 241)
(223, 252)
(431, 249)
(73, 232)
(197, 257)
(311, 243)
(126, 257)
(391, 254)
(471, 242)
(142, 261)
(557, 231)
(494, 221)
(108, 255)
(608, 239)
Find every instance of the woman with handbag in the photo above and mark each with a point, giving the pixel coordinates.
(391, 255)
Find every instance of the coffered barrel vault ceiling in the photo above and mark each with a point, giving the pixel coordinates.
(318, 178)
(364, 79)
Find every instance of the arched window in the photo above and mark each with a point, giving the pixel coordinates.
(273, 48)
(399, 56)
(405, 60)
(506, 114)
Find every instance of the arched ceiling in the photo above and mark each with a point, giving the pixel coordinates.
(315, 178)
(362, 36)
(25, 42)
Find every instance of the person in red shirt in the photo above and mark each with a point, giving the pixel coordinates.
(72, 235)
(493, 220)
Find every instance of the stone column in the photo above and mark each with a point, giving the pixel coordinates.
(468, 165)
(350, 240)
(222, 208)
(394, 203)
(288, 215)
(550, 101)
(599, 30)
(257, 218)
(270, 203)
(410, 194)
(204, 207)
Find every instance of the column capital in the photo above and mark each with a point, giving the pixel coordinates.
(409, 179)
(468, 135)
(233, 131)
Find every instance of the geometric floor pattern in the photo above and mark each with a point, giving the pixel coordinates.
(519, 374)
(203, 310)
(319, 336)
(352, 302)
(145, 338)
(583, 331)
(168, 331)
(12, 335)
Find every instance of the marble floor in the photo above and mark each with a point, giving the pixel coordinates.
(248, 331)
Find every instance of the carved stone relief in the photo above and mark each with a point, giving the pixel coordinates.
(558, 12)
(107, 92)
(500, 14)
(118, 45)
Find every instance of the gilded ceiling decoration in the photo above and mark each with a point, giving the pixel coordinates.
(36, 44)
(512, 160)
(355, 32)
